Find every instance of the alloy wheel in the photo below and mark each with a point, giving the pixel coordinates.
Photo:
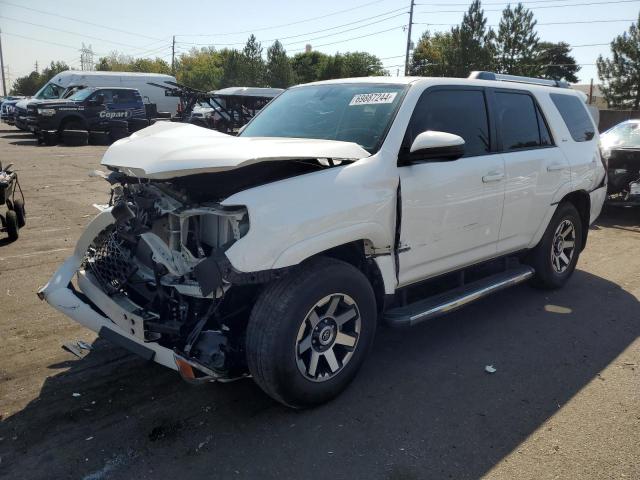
(328, 337)
(563, 246)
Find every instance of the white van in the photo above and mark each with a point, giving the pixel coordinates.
(65, 83)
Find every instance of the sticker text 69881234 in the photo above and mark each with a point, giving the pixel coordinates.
(373, 98)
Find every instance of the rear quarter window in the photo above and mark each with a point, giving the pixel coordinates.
(575, 116)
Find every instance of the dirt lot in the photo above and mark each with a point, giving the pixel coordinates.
(564, 402)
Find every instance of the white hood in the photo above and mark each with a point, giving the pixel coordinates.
(167, 150)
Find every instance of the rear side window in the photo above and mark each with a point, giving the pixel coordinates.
(575, 117)
(124, 96)
(461, 112)
(521, 123)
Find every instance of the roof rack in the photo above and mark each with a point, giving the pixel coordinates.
(479, 75)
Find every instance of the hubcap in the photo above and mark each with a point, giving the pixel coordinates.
(328, 337)
(563, 246)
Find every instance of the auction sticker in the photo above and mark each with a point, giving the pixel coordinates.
(372, 98)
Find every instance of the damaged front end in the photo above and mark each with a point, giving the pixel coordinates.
(156, 268)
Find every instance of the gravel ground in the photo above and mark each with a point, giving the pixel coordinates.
(563, 403)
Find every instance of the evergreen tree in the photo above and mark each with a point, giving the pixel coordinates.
(473, 43)
(279, 73)
(517, 42)
(254, 64)
(555, 62)
(620, 74)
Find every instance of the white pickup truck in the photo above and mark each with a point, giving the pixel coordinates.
(274, 254)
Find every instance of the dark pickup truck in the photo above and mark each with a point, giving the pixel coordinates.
(90, 109)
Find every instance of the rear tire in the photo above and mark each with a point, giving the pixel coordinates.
(12, 225)
(309, 332)
(556, 255)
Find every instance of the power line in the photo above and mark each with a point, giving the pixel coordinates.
(85, 22)
(282, 25)
(314, 32)
(353, 38)
(537, 24)
(47, 41)
(486, 3)
(541, 7)
(68, 31)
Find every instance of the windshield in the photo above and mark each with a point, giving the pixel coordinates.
(80, 95)
(49, 91)
(623, 135)
(358, 113)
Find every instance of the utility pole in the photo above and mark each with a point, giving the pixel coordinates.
(406, 61)
(37, 66)
(4, 83)
(173, 56)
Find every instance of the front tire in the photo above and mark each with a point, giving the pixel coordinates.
(555, 257)
(309, 332)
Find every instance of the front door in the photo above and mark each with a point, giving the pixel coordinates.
(451, 210)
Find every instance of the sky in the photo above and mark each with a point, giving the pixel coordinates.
(41, 30)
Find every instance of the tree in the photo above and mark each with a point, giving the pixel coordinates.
(254, 64)
(620, 75)
(555, 62)
(200, 68)
(308, 66)
(279, 73)
(473, 43)
(467, 47)
(361, 64)
(433, 55)
(30, 84)
(234, 69)
(517, 42)
(119, 62)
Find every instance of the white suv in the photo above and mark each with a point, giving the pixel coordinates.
(274, 253)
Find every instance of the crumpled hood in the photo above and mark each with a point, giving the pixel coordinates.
(168, 150)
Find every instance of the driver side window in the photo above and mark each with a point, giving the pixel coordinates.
(461, 112)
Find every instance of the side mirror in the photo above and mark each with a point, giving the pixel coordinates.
(436, 146)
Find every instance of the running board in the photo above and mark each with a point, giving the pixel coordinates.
(428, 308)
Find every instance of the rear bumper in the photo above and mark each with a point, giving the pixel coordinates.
(58, 293)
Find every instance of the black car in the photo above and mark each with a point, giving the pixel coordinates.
(90, 109)
(620, 147)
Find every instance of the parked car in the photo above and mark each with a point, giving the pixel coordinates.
(7, 109)
(621, 152)
(92, 108)
(275, 252)
(66, 83)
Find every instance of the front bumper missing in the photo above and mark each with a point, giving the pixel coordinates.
(59, 293)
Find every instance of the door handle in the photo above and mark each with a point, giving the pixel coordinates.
(554, 167)
(494, 176)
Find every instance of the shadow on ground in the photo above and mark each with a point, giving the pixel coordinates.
(619, 217)
(422, 407)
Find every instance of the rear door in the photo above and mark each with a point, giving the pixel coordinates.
(536, 169)
(451, 210)
(129, 102)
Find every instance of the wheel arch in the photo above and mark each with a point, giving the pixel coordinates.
(582, 201)
(354, 253)
(72, 118)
